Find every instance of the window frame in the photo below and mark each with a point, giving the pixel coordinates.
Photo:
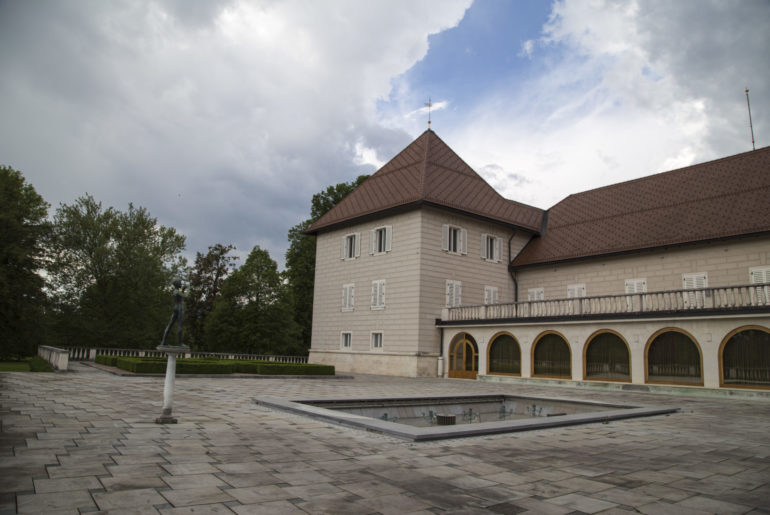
(381, 244)
(491, 244)
(376, 344)
(576, 291)
(454, 244)
(696, 299)
(349, 339)
(535, 294)
(348, 297)
(491, 295)
(455, 298)
(378, 294)
(351, 246)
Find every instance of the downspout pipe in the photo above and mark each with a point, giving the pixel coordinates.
(511, 269)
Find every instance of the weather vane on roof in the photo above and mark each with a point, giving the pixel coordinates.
(429, 105)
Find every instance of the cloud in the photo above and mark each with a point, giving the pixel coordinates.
(621, 90)
(222, 118)
(527, 49)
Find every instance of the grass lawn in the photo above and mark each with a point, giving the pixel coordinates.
(14, 366)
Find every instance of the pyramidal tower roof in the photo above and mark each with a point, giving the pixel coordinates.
(428, 172)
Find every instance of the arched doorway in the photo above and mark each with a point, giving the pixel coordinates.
(463, 357)
(745, 358)
(673, 357)
(607, 357)
(504, 355)
(551, 356)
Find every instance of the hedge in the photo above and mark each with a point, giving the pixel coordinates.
(292, 369)
(38, 364)
(110, 361)
(152, 365)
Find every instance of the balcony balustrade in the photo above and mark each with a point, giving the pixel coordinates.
(748, 297)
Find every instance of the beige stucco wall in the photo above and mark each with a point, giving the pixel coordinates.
(436, 266)
(708, 333)
(726, 263)
(415, 271)
(399, 268)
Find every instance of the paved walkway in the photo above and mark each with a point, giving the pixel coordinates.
(85, 441)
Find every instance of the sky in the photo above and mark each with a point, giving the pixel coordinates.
(224, 117)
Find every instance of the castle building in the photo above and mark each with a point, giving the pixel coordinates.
(426, 270)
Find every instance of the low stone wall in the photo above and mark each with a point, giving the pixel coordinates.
(58, 358)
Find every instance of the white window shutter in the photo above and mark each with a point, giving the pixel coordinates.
(372, 241)
(484, 246)
(636, 285)
(343, 249)
(498, 249)
(450, 292)
(445, 237)
(463, 241)
(374, 293)
(576, 290)
(694, 281)
(358, 244)
(536, 294)
(388, 237)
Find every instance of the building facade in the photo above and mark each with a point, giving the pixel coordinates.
(425, 270)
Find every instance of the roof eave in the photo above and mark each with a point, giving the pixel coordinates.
(415, 205)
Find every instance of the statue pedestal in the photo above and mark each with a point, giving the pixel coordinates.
(168, 387)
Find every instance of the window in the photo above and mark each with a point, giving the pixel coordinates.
(490, 295)
(636, 302)
(454, 291)
(536, 294)
(380, 239)
(698, 282)
(346, 340)
(376, 341)
(636, 285)
(378, 294)
(576, 290)
(491, 248)
(759, 275)
(348, 292)
(351, 246)
(454, 239)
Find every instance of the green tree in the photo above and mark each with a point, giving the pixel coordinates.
(23, 227)
(206, 278)
(252, 315)
(300, 257)
(110, 274)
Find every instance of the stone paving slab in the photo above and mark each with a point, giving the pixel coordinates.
(86, 441)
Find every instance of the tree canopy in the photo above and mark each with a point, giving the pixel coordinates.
(253, 314)
(23, 229)
(206, 279)
(110, 274)
(300, 257)
(101, 277)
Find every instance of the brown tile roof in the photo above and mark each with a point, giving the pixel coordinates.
(720, 199)
(429, 172)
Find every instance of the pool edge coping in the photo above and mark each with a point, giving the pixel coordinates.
(421, 434)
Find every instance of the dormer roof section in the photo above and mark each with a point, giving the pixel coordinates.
(428, 172)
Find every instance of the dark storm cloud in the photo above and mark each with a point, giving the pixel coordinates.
(221, 118)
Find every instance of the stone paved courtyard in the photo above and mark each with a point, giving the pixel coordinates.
(86, 441)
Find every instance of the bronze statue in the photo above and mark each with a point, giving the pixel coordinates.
(178, 315)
